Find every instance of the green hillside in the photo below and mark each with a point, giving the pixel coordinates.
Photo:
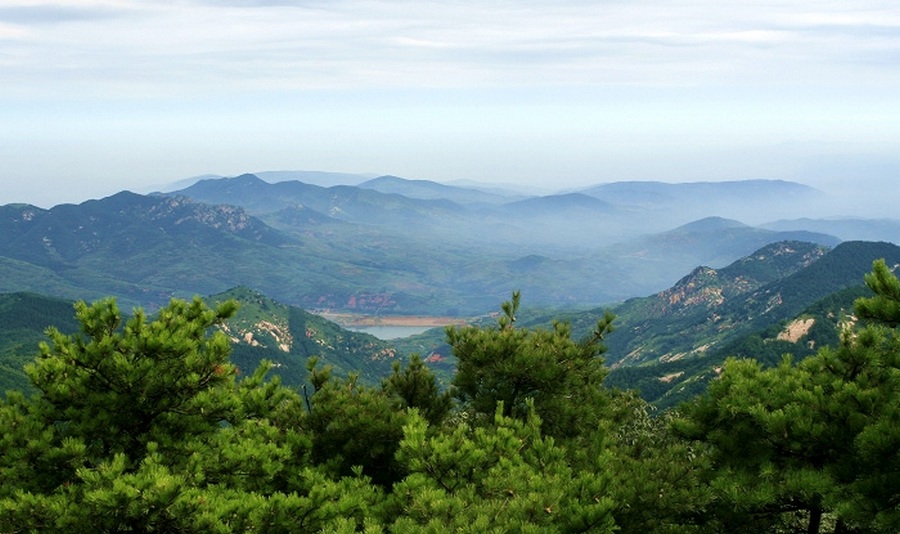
(688, 317)
(262, 329)
(289, 336)
(667, 345)
(797, 314)
(24, 317)
(674, 340)
(666, 384)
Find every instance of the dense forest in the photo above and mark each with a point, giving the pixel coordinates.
(144, 425)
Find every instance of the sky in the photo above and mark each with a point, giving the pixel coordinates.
(97, 96)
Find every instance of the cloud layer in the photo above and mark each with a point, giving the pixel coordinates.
(153, 46)
(571, 91)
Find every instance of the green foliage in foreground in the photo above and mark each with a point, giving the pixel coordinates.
(141, 426)
(813, 441)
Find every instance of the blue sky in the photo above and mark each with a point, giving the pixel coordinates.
(103, 95)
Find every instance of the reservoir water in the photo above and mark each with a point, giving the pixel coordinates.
(387, 332)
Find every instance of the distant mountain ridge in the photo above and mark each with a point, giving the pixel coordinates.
(146, 249)
(345, 203)
(366, 251)
(844, 228)
(635, 191)
(67, 232)
(428, 190)
(320, 178)
(737, 199)
(467, 216)
(564, 201)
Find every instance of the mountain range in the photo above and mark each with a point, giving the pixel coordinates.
(368, 249)
(787, 297)
(577, 220)
(391, 246)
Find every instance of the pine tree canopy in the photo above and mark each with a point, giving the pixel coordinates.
(142, 424)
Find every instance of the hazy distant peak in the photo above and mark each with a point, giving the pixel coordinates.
(319, 178)
(710, 223)
(565, 200)
(390, 178)
(759, 185)
(247, 178)
(751, 201)
(187, 182)
(503, 189)
(229, 189)
(429, 190)
(206, 179)
(398, 184)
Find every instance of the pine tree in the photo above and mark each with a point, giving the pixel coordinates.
(502, 477)
(140, 426)
(117, 388)
(512, 366)
(884, 307)
(354, 426)
(875, 488)
(662, 481)
(814, 440)
(415, 386)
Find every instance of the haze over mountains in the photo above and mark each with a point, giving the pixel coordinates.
(395, 246)
(689, 280)
(643, 207)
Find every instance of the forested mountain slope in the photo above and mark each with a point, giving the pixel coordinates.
(709, 306)
(671, 356)
(287, 336)
(24, 318)
(261, 329)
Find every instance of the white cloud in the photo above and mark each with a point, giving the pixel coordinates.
(177, 46)
(462, 87)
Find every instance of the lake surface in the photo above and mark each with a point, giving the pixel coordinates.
(390, 332)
